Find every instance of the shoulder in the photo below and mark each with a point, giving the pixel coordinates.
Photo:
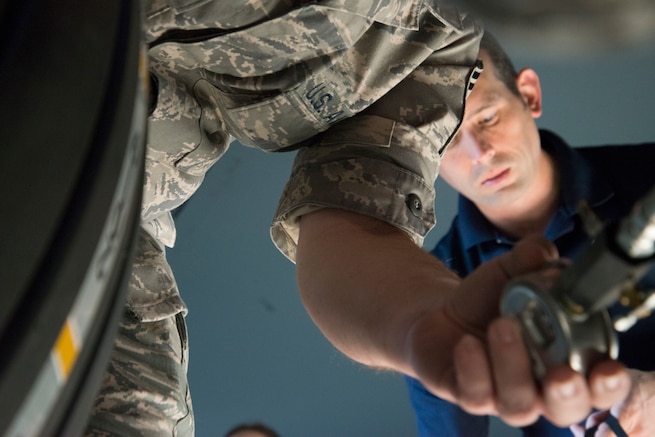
(627, 168)
(606, 155)
(632, 161)
(625, 153)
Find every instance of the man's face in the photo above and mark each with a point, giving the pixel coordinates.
(493, 159)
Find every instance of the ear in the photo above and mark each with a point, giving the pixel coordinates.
(529, 87)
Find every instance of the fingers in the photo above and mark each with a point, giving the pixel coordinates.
(517, 393)
(508, 390)
(475, 304)
(474, 380)
(498, 379)
(529, 254)
(569, 398)
(610, 384)
(566, 396)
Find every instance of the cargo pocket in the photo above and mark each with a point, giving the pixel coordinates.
(273, 123)
(213, 138)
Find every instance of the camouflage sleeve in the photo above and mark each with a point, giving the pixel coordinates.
(224, 69)
(383, 162)
(274, 74)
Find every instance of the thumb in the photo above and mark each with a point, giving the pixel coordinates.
(476, 301)
(529, 254)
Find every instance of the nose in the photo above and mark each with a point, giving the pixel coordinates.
(475, 146)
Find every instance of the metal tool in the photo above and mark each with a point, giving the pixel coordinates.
(563, 308)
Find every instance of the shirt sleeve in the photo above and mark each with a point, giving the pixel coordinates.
(369, 92)
(383, 161)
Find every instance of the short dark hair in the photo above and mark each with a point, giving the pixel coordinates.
(259, 427)
(503, 65)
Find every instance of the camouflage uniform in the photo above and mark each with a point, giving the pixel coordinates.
(368, 91)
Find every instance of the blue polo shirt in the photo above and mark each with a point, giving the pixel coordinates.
(611, 179)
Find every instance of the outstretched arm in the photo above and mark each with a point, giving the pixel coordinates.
(386, 303)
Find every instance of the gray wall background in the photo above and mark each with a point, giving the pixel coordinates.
(256, 355)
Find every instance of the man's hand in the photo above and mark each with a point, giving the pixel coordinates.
(387, 303)
(492, 371)
(636, 413)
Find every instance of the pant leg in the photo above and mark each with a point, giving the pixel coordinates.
(145, 391)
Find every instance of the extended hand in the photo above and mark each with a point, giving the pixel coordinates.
(491, 370)
(387, 303)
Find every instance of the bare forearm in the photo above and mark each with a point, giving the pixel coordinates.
(385, 302)
(365, 284)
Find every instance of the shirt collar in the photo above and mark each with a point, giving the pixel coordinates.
(578, 181)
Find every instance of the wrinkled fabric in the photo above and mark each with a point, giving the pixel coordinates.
(282, 74)
(144, 390)
(369, 94)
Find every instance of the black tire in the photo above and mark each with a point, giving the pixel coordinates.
(72, 128)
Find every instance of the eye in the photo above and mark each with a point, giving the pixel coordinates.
(489, 118)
